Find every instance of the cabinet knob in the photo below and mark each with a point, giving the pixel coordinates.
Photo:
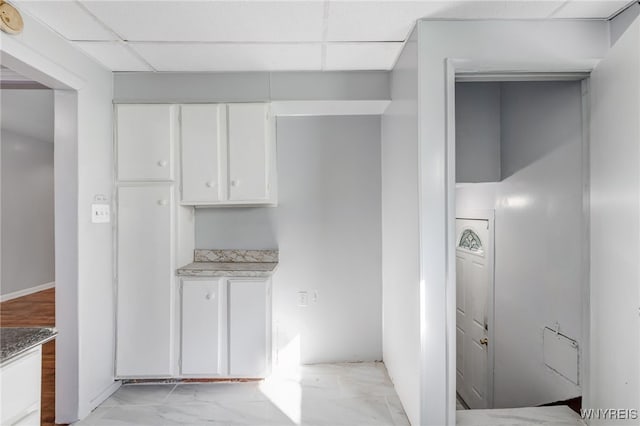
(235, 183)
(210, 296)
(211, 184)
(162, 202)
(163, 163)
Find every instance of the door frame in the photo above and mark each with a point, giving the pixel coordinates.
(489, 216)
(507, 71)
(67, 87)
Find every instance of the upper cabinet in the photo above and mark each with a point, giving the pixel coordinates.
(227, 152)
(204, 150)
(249, 148)
(145, 146)
(228, 155)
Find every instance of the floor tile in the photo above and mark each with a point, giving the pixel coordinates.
(139, 394)
(215, 392)
(350, 394)
(529, 416)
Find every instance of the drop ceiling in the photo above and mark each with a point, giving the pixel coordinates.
(242, 35)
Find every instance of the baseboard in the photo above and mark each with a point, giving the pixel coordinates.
(26, 291)
(86, 409)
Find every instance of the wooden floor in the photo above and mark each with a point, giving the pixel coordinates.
(37, 309)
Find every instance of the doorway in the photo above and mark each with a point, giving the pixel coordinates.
(521, 273)
(27, 287)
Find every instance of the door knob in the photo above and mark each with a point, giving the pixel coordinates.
(484, 341)
(210, 184)
(235, 183)
(209, 296)
(162, 163)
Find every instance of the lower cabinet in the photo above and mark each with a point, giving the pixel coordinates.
(249, 328)
(203, 328)
(146, 276)
(226, 327)
(20, 389)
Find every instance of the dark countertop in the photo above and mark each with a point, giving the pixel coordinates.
(18, 340)
(228, 269)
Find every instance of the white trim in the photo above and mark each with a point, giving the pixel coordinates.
(106, 393)
(453, 68)
(27, 291)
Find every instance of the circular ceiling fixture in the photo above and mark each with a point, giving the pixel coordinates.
(10, 19)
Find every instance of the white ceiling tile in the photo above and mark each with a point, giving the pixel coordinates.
(243, 21)
(231, 56)
(376, 21)
(68, 18)
(392, 20)
(362, 56)
(590, 8)
(114, 55)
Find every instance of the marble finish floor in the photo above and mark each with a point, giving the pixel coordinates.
(323, 394)
(530, 416)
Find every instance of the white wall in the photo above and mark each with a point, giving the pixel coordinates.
(27, 213)
(28, 112)
(621, 23)
(27, 190)
(400, 233)
(539, 236)
(251, 86)
(475, 45)
(327, 228)
(477, 132)
(615, 229)
(83, 168)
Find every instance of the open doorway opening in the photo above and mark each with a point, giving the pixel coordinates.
(521, 242)
(27, 287)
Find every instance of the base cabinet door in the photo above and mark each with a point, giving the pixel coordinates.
(249, 328)
(203, 325)
(145, 277)
(20, 389)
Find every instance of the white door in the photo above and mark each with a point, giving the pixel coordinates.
(203, 328)
(472, 289)
(145, 142)
(203, 130)
(249, 139)
(144, 281)
(249, 328)
(614, 371)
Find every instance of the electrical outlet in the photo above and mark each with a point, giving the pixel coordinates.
(303, 299)
(100, 213)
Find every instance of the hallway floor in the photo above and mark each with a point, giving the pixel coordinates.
(323, 394)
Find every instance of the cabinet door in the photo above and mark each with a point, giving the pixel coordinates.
(249, 328)
(145, 142)
(145, 276)
(203, 308)
(249, 146)
(20, 388)
(203, 130)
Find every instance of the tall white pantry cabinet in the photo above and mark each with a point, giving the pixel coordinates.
(170, 158)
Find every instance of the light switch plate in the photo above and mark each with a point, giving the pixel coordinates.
(303, 299)
(100, 213)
